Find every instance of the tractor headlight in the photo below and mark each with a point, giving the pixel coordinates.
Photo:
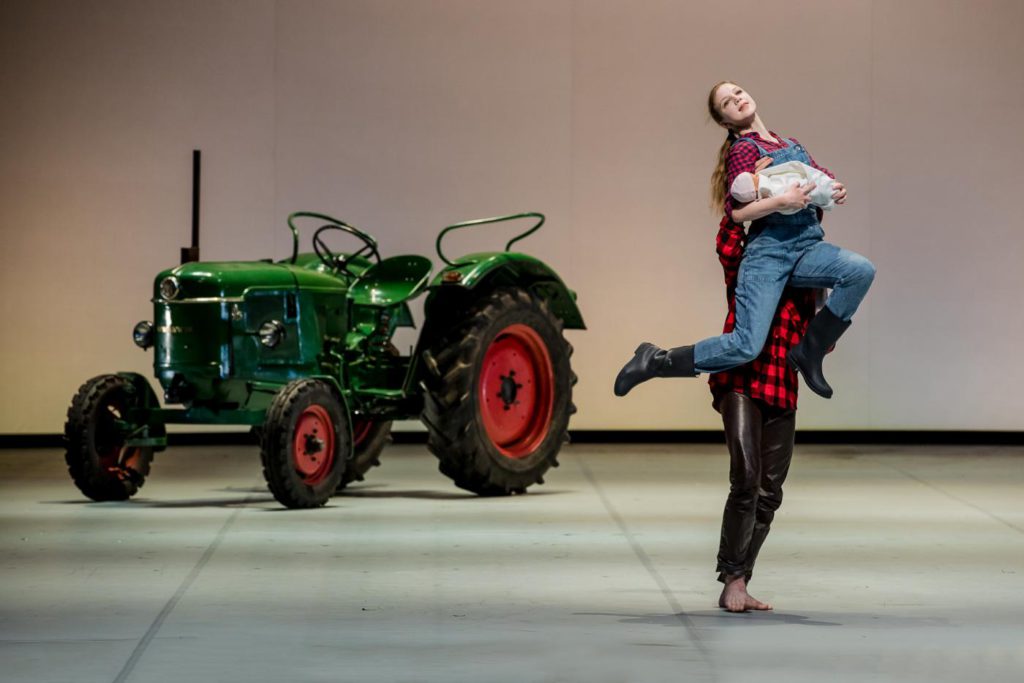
(169, 288)
(142, 335)
(271, 333)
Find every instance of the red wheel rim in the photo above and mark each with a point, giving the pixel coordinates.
(360, 430)
(313, 445)
(516, 391)
(115, 459)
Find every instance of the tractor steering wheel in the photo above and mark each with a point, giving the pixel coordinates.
(338, 262)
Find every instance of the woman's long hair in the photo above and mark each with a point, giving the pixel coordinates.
(718, 177)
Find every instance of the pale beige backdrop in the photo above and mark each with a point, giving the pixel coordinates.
(403, 116)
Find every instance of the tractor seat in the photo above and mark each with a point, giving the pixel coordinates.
(391, 281)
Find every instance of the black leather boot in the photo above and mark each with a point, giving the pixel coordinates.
(649, 361)
(806, 357)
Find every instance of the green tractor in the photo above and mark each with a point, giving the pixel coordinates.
(301, 350)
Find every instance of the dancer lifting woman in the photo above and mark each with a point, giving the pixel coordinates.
(758, 406)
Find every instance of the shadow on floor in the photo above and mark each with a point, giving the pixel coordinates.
(258, 497)
(186, 503)
(368, 492)
(383, 491)
(719, 618)
(715, 618)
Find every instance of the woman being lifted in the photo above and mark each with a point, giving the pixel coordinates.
(785, 245)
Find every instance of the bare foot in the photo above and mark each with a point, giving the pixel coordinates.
(735, 597)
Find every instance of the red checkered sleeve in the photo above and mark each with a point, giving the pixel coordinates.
(741, 159)
(729, 246)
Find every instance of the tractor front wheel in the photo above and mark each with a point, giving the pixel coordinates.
(501, 396)
(99, 463)
(305, 443)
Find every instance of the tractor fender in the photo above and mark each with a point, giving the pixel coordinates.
(143, 388)
(488, 270)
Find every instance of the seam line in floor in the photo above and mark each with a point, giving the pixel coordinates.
(953, 496)
(146, 639)
(645, 560)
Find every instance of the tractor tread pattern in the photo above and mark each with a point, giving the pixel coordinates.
(455, 434)
(367, 454)
(79, 453)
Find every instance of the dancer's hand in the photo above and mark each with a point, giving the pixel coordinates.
(797, 196)
(839, 192)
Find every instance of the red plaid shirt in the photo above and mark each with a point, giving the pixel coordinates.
(768, 377)
(743, 155)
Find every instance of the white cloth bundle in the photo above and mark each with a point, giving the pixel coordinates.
(775, 180)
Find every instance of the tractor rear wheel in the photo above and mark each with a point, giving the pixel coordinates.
(99, 463)
(369, 438)
(500, 400)
(305, 443)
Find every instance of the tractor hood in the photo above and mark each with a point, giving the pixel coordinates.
(233, 279)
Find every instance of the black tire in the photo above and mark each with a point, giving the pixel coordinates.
(99, 464)
(462, 403)
(368, 447)
(306, 412)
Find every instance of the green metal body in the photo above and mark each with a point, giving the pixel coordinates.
(503, 268)
(337, 325)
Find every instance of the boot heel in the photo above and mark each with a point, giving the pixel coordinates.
(792, 363)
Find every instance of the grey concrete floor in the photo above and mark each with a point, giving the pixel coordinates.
(884, 564)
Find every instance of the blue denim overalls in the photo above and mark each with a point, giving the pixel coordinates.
(783, 249)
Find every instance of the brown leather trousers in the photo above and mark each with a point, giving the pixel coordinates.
(760, 442)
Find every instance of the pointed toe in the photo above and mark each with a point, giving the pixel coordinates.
(650, 361)
(641, 367)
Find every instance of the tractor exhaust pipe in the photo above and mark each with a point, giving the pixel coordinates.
(190, 254)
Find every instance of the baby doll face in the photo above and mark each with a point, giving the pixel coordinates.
(735, 105)
(744, 188)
